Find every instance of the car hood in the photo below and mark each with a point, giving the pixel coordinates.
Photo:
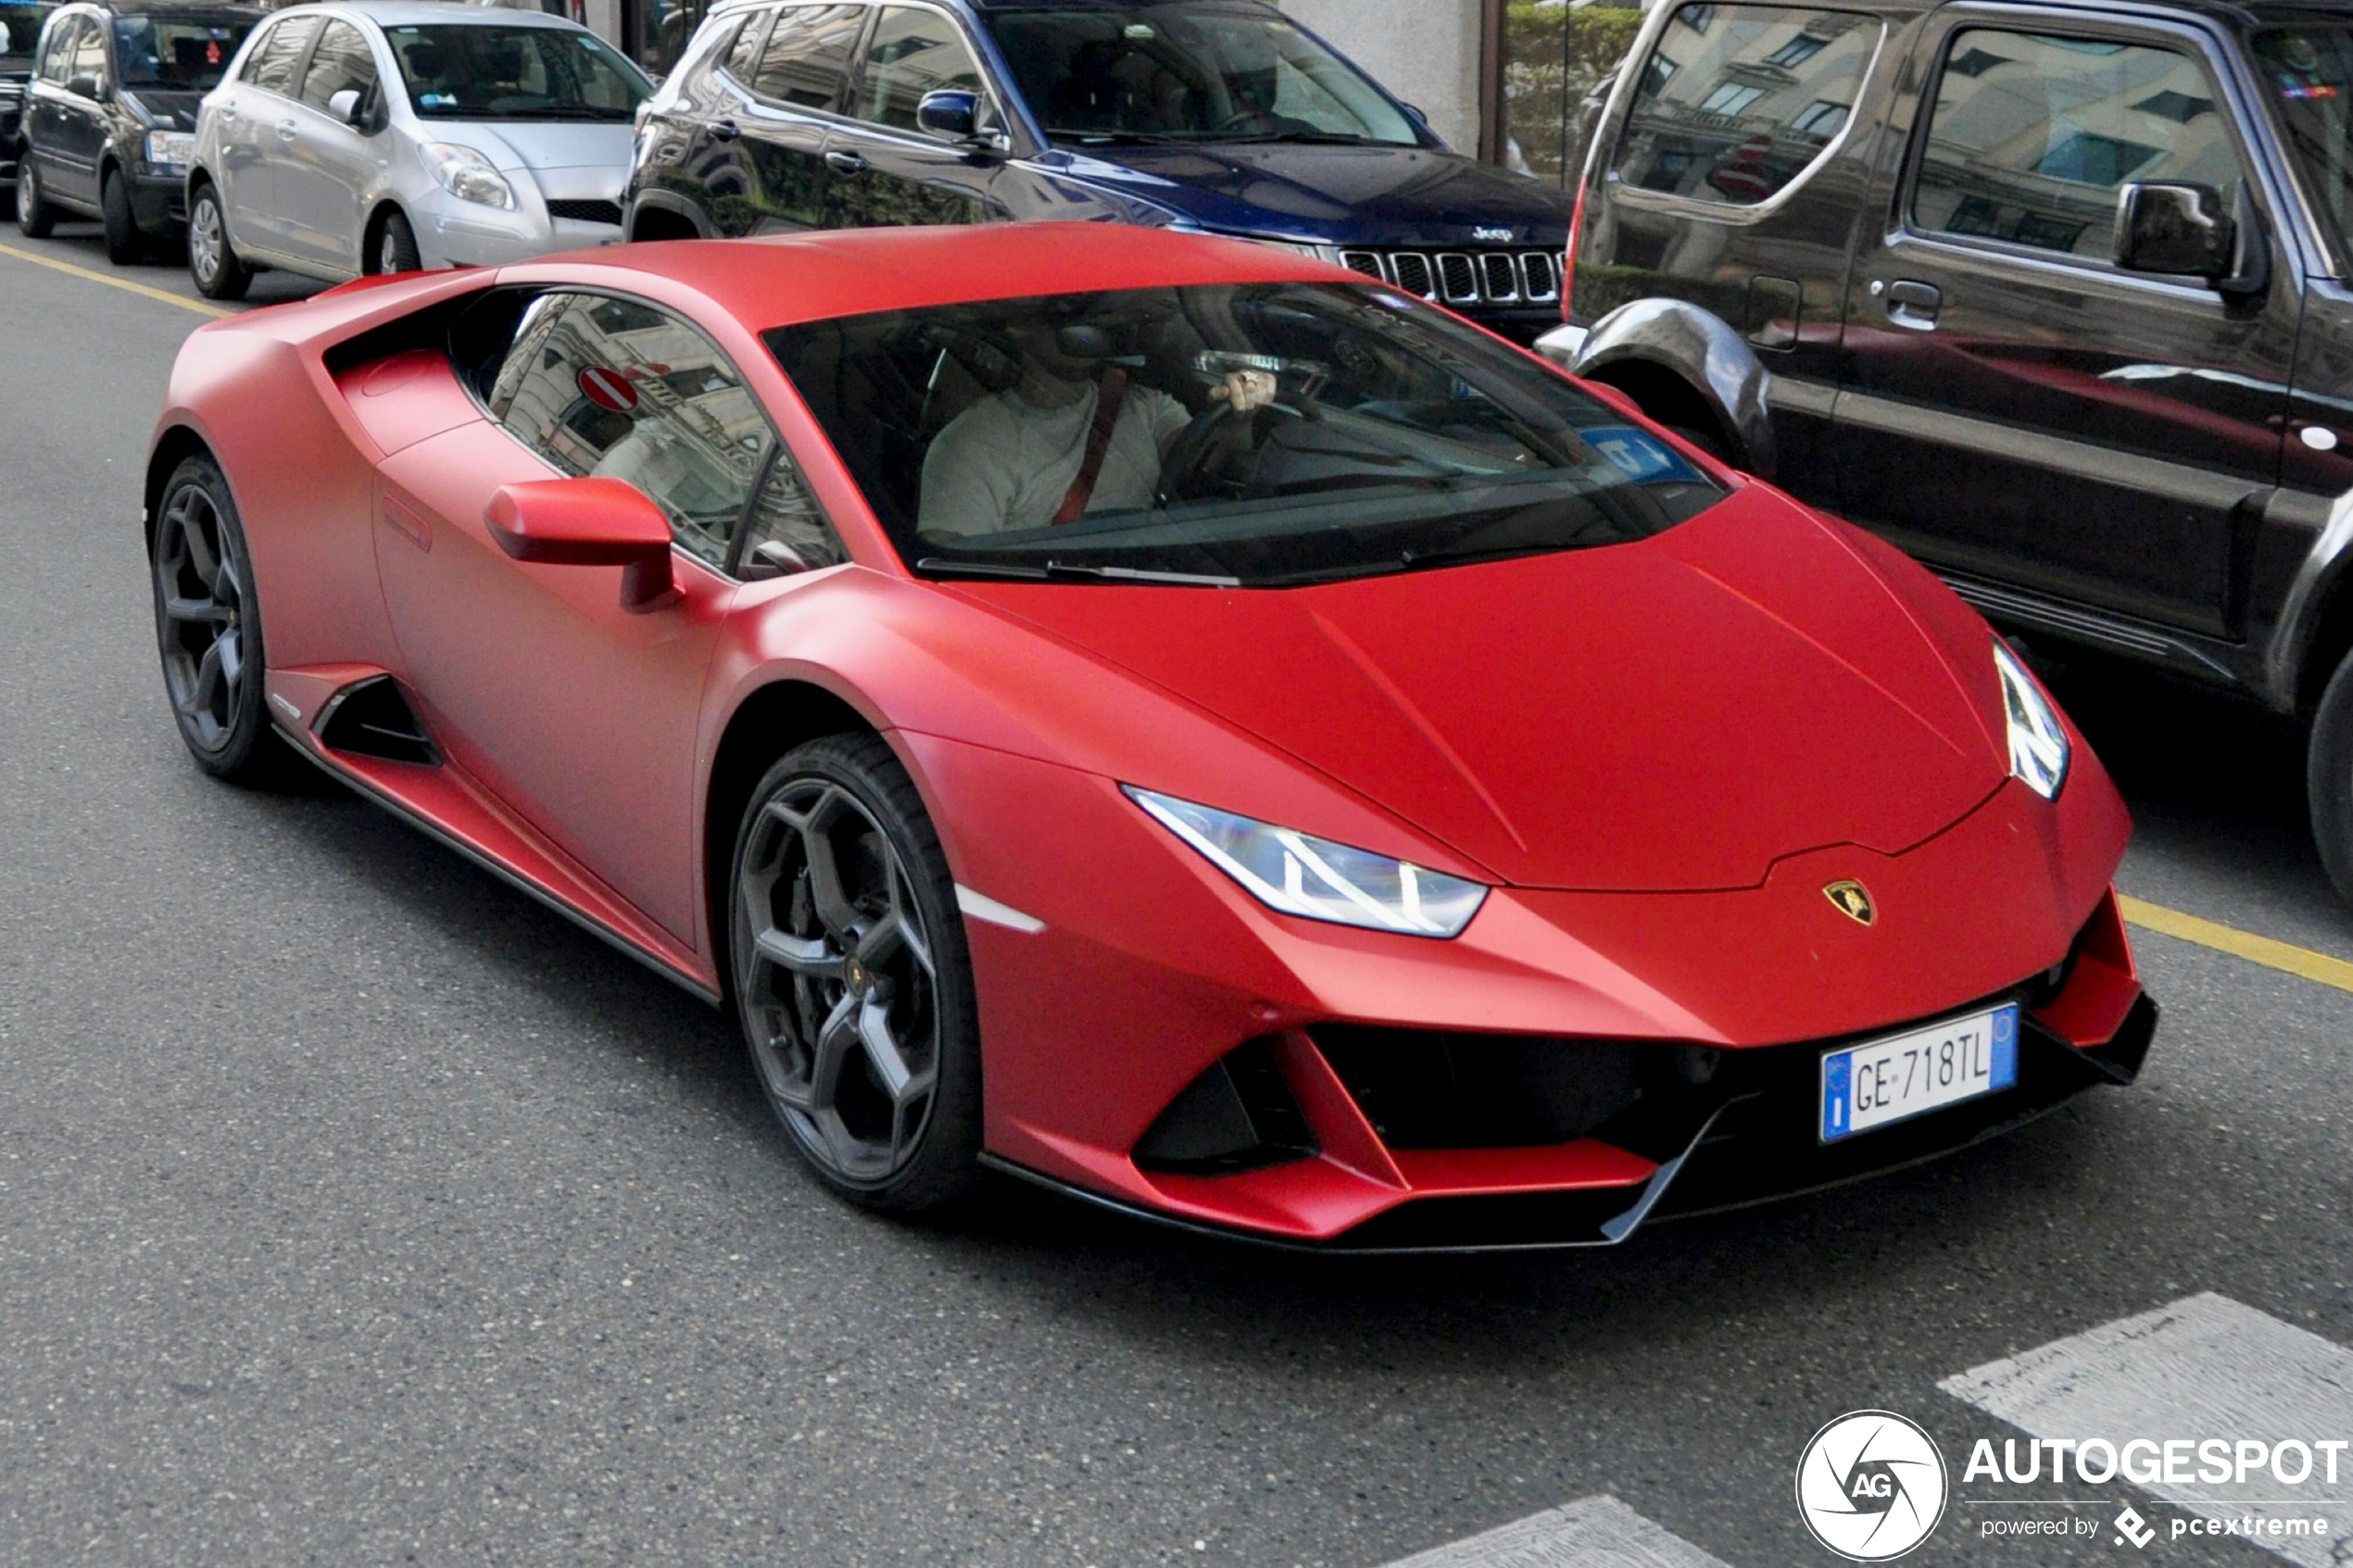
(1336, 194)
(171, 110)
(521, 143)
(1675, 714)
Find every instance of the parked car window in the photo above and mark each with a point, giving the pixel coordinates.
(2032, 135)
(20, 31)
(89, 55)
(786, 512)
(807, 54)
(1397, 437)
(1105, 74)
(61, 50)
(2309, 69)
(914, 50)
(179, 52)
(460, 70)
(272, 65)
(1745, 103)
(342, 62)
(599, 385)
(743, 54)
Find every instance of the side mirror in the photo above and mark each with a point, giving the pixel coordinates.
(345, 105)
(86, 86)
(2180, 229)
(773, 558)
(951, 113)
(591, 522)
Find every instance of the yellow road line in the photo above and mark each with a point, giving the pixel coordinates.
(199, 307)
(2281, 956)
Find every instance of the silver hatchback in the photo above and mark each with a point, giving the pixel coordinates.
(370, 137)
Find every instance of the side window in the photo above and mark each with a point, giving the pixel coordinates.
(271, 66)
(342, 62)
(61, 50)
(598, 385)
(89, 58)
(807, 54)
(2032, 136)
(786, 514)
(1737, 101)
(743, 54)
(914, 50)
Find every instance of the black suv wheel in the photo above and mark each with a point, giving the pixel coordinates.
(2329, 779)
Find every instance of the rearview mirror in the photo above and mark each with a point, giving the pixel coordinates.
(590, 521)
(345, 105)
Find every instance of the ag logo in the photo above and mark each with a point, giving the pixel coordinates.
(1870, 1486)
(1853, 900)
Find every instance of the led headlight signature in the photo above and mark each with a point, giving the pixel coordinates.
(2039, 749)
(1297, 874)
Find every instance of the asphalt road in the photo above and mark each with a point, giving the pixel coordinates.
(355, 1210)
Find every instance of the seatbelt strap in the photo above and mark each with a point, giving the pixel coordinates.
(1082, 489)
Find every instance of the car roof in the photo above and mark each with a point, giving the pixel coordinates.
(784, 280)
(437, 13)
(173, 9)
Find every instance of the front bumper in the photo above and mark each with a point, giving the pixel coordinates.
(159, 202)
(454, 233)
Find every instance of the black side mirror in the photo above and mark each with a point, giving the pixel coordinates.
(86, 86)
(951, 113)
(2179, 229)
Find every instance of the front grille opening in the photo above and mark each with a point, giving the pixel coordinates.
(1543, 282)
(373, 719)
(1413, 273)
(586, 211)
(1365, 261)
(1459, 279)
(1499, 277)
(1426, 1088)
(1236, 1116)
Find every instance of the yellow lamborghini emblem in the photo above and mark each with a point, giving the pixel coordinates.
(1854, 901)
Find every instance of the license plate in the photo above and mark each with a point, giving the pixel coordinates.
(1903, 1075)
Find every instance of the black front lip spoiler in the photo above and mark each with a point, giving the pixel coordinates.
(1696, 1180)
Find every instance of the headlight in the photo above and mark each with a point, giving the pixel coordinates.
(467, 175)
(2038, 741)
(1319, 879)
(170, 149)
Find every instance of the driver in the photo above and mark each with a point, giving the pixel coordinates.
(1072, 436)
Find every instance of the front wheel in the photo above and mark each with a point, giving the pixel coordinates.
(852, 979)
(208, 627)
(36, 217)
(395, 246)
(212, 260)
(125, 243)
(2328, 779)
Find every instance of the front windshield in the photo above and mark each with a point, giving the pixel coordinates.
(2309, 70)
(1251, 433)
(485, 71)
(1186, 72)
(179, 52)
(19, 28)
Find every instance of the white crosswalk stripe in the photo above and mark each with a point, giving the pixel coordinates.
(2202, 1367)
(1598, 1532)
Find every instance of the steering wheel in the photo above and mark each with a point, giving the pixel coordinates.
(1217, 456)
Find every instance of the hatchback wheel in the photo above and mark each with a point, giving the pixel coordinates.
(209, 628)
(125, 243)
(35, 215)
(852, 979)
(212, 261)
(395, 246)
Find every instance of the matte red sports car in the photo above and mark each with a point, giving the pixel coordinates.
(1159, 716)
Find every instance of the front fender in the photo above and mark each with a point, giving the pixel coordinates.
(1707, 354)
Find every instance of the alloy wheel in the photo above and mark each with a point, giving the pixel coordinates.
(387, 254)
(204, 239)
(201, 603)
(838, 980)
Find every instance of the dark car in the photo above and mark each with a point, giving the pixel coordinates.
(110, 114)
(20, 33)
(2059, 299)
(1216, 115)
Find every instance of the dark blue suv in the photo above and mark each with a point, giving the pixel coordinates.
(1217, 115)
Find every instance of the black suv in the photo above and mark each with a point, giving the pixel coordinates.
(20, 31)
(110, 114)
(1217, 115)
(2057, 297)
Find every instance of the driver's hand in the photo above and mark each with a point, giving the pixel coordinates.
(1245, 392)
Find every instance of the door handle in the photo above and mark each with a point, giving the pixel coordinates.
(1913, 303)
(286, 131)
(842, 162)
(229, 111)
(725, 130)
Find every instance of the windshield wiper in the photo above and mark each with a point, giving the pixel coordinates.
(939, 566)
(1326, 138)
(1133, 574)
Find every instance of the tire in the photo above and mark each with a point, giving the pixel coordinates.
(396, 248)
(36, 217)
(125, 243)
(839, 1003)
(212, 260)
(209, 628)
(2328, 779)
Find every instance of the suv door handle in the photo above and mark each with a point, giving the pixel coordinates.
(286, 128)
(725, 130)
(842, 162)
(1914, 304)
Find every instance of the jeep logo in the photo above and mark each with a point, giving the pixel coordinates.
(1493, 236)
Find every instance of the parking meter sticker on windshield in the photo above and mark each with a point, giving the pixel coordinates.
(1639, 454)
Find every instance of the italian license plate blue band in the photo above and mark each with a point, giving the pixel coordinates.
(1923, 1070)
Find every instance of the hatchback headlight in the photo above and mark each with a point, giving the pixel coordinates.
(170, 149)
(1296, 874)
(2039, 749)
(467, 175)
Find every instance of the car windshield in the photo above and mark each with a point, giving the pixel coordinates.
(2309, 70)
(1258, 434)
(20, 27)
(1187, 72)
(486, 72)
(179, 52)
